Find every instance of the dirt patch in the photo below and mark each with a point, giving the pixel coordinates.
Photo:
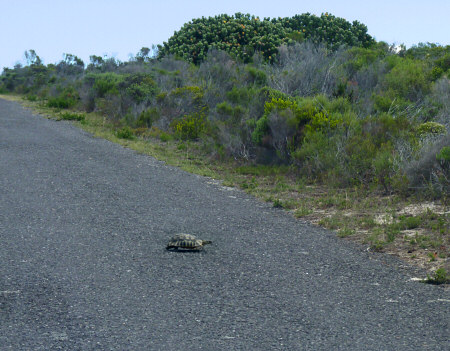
(418, 233)
(416, 209)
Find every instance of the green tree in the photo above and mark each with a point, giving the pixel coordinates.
(32, 58)
(242, 35)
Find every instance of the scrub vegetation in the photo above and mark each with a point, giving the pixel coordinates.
(308, 112)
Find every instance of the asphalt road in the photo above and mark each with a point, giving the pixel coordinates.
(83, 265)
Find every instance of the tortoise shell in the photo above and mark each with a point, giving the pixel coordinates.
(186, 242)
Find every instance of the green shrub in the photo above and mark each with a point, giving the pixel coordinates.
(155, 132)
(182, 101)
(165, 137)
(358, 154)
(436, 73)
(439, 277)
(104, 83)
(148, 117)
(382, 103)
(190, 126)
(315, 157)
(340, 105)
(60, 102)
(224, 108)
(444, 61)
(281, 104)
(428, 172)
(244, 96)
(363, 57)
(125, 133)
(237, 95)
(261, 129)
(231, 114)
(406, 223)
(242, 35)
(69, 116)
(257, 76)
(269, 94)
(389, 102)
(408, 79)
(383, 167)
(319, 113)
(277, 203)
(444, 155)
(139, 86)
(66, 98)
(323, 121)
(345, 232)
(239, 35)
(194, 92)
(160, 98)
(443, 158)
(430, 128)
(31, 97)
(292, 118)
(286, 120)
(400, 183)
(333, 31)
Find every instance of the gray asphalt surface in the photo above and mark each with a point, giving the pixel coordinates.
(83, 229)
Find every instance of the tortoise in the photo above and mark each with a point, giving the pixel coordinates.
(186, 242)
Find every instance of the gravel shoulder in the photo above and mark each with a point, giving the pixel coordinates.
(84, 223)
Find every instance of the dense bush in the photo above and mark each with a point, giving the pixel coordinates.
(242, 35)
(104, 83)
(70, 66)
(69, 116)
(333, 31)
(273, 91)
(68, 97)
(139, 86)
(190, 126)
(148, 117)
(125, 133)
(429, 168)
(407, 79)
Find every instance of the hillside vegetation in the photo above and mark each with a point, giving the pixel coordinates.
(315, 96)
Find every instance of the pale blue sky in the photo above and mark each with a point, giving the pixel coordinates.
(119, 28)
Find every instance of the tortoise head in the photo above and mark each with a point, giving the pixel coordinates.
(206, 242)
